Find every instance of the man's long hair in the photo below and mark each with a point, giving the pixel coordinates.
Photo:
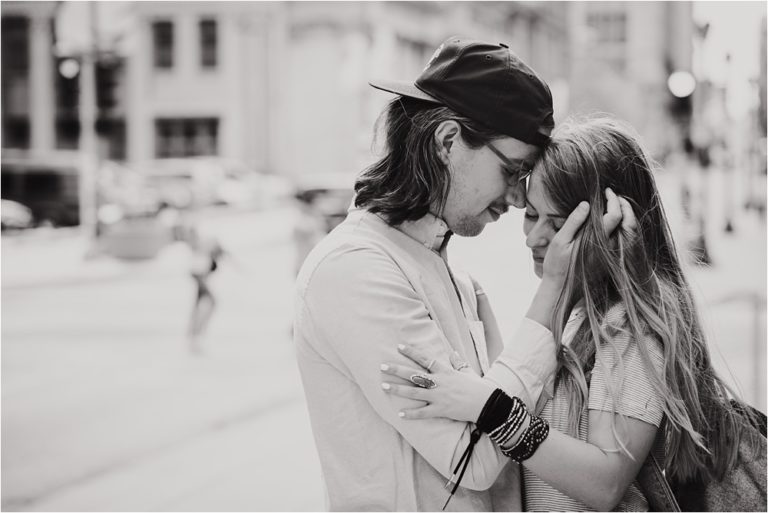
(642, 272)
(411, 179)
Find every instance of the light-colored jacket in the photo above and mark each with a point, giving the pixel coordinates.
(366, 288)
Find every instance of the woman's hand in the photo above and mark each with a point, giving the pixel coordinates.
(618, 211)
(457, 394)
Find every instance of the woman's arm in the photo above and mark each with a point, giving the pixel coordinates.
(595, 472)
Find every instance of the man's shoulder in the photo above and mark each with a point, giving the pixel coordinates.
(342, 252)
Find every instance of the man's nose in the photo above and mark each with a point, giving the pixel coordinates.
(515, 195)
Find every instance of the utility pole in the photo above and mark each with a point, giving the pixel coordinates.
(89, 160)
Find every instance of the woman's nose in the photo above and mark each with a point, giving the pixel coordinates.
(536, 239)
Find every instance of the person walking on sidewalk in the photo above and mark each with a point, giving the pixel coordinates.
(206, 254)
(460, 140)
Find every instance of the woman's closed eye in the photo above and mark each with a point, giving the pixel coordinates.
(531, 215)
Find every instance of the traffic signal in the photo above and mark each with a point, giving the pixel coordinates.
(681, 108)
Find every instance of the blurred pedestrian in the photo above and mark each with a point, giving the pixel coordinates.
(635, 382)
(206, 254)
(459, 144)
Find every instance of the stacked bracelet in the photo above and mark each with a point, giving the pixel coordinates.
(501, 419)
(529, 441)
(508, 430)
(495, 412)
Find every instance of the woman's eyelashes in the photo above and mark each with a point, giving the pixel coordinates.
(555, 224)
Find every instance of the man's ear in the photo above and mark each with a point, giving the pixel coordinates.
(446, 134)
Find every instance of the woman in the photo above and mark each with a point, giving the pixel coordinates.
(634, 372)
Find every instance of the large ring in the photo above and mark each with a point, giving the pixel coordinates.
(420, 380)
(431, 363)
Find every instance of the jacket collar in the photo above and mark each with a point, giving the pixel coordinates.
(429, 231)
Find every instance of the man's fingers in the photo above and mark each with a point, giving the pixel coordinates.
(425, 412)
(571, 226)
(408, 391)
(400, 371)
(628, 219)
(613, 212)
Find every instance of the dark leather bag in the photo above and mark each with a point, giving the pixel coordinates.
(742, 489)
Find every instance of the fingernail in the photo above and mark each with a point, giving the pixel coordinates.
(385, 386)
(384, 367)
(584, 205)
(608, 190)
(401, 414)
(401, 347)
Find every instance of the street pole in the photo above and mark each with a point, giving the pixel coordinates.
(697, 245)
(88, 141)
(728, 160)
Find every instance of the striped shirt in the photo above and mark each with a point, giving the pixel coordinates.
(636, 399)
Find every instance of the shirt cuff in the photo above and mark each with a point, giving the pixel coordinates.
(526, 363)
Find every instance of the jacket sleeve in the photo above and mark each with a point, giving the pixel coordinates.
(361, 306)
(526, 364)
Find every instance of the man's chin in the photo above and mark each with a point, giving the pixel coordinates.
(469, 229)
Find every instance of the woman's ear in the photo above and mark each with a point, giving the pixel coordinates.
(446, 134)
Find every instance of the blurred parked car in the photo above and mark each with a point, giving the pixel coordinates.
(47, 184)
(205, 181)
(15, 216)
(323, 201)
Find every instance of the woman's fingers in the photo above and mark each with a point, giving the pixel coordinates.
(628, 219)
(613, 212)
(571, 226)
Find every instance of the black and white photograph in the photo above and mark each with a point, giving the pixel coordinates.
(383, 256)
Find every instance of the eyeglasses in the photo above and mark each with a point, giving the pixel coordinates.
(517, 170)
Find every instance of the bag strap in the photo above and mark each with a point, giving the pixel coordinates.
(655, 486)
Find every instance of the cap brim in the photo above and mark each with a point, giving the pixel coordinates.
(403, 88)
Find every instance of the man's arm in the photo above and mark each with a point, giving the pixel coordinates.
(363, 306)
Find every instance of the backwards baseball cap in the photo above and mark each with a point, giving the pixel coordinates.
(487, 83)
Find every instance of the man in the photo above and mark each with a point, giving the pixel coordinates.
(459, 142)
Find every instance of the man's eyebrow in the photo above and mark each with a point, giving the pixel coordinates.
(512, 162)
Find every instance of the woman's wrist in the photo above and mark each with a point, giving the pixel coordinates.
(544, 302)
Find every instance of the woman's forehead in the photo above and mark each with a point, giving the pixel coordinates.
(538, 197)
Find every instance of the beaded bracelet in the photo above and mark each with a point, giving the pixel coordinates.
(509, 429)
(529, 441)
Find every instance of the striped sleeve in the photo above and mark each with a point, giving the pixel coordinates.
(636, 396)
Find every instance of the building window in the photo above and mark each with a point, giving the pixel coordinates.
(162, 39)
(15, 83)
(188, 137)
(609, 37)
(208, 43)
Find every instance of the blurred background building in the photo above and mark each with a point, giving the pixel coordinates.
(282, 86)
(126, 124)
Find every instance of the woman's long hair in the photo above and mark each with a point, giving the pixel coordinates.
(640, 271)
(411, 178)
